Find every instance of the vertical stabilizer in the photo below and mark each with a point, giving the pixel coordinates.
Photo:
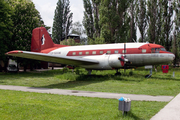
(40, 40)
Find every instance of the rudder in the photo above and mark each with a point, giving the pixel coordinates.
(40, 40)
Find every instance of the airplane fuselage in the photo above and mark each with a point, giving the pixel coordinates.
(139, 54)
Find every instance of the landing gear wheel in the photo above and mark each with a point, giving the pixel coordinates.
(147, 76)
(118, 73)
(130, 73)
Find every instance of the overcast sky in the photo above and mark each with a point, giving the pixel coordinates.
(47, 8)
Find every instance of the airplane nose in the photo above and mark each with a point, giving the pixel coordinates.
(171, 57)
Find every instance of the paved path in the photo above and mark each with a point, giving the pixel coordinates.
(170, 112)
(87, 93)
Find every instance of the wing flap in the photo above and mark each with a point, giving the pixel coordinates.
(52, 58)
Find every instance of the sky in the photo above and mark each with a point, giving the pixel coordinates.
(47, 8)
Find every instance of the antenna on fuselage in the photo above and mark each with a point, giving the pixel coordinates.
(134, 41)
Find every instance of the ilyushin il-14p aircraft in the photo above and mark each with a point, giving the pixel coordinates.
(94, 57)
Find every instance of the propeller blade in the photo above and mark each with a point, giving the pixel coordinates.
(124, 50)
(124, 57)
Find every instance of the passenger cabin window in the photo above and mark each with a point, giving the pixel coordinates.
(87, 53)
(74, 53)
(116, 51)
(101, 52)
(124, 51)
(108, 52)
(94, 52)
(143, 50)
(80, 53)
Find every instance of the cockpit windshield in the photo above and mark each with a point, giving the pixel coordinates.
(163, 49)
(156, 50)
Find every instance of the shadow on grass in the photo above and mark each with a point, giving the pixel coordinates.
(80, 80)
(11, 76)
(128, 115)
(83, 80)
(67, 80)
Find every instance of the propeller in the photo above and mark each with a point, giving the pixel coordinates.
(124, 59)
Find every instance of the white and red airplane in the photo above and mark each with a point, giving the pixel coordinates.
(94, 57)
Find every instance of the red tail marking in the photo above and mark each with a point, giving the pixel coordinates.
(42, 42)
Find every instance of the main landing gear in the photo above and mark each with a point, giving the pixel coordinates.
(117, 72)
(89, 72)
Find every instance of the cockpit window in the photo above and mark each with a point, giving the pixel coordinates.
(152, 50)
(163, 49)
(156, 50)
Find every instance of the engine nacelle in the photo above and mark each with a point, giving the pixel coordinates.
(106, 62)
(114, 61)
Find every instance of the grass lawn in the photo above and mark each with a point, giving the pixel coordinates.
(16, 105)
(101, 81)
(24, 105)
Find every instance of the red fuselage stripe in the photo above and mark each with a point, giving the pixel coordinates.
(110, 51)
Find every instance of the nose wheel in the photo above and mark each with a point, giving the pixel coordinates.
(148, 76)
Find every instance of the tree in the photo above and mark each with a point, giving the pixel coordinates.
(132, 33)
(97, 27)
(25, 18)
(5, 31)
(152, 15)
(160, 22)
(62, 21)
(114, 21)
(91, 21)
(167, 24)
(88, 19)
(176, 39)
(77, 28)
(108, 20)
(141, 19)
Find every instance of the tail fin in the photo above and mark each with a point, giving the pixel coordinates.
(41, 40)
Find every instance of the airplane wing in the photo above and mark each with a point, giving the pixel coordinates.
(52, 58)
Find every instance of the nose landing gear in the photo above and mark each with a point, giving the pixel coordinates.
(148, 76)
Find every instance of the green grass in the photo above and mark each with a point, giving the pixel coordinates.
(16, 105)
(24, 105)
(100, 81)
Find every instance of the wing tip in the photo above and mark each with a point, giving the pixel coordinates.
(14, 52)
